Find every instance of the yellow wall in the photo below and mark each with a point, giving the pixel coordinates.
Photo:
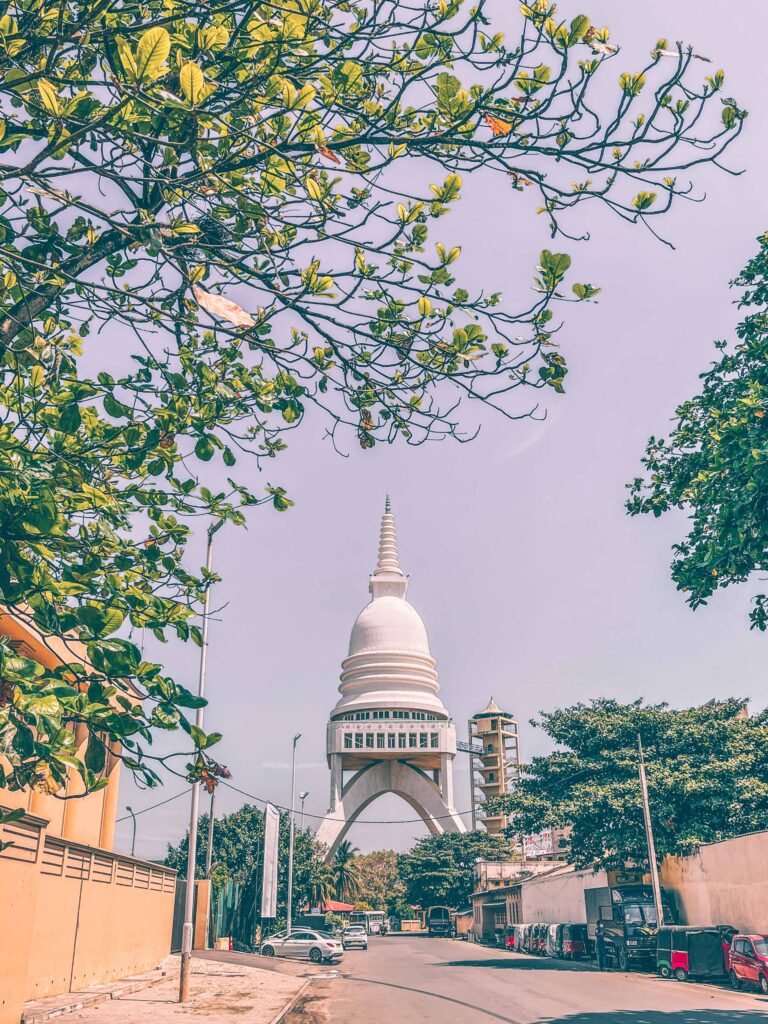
(72, 916)
(723, 883)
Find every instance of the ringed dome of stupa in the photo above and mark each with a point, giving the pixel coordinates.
(389, 665)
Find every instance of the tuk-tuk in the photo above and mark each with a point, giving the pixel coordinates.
(528, 938)
(685, 951)
(540, 943)
(509, 937)
(574, 943)
(519, 930)
(555, 940)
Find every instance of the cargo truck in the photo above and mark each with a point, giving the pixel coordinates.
(629, 922)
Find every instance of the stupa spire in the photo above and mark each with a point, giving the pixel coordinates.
(388, 579)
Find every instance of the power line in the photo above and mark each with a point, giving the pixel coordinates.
(321, 817)
(152, 807)
(358, 821)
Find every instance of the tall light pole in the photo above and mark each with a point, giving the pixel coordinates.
(649, 837)
(133, 837)
(189, 903)
(302, 796)
(288, 915)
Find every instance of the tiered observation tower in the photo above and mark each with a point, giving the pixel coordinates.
(389, 731)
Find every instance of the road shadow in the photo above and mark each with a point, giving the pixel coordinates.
(513, 963)
(662, 1017)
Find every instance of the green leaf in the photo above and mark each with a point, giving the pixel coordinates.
(152, 53)
(49, 97)
(644, 200)
(23, 742)
(100, 621)
(95, 755)
(192, 83)
(204, 448)
(69, 418)
(579, 28)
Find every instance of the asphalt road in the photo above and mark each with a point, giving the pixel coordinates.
(413, 980)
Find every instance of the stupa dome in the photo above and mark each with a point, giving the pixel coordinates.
(388, 624)
(389, 665)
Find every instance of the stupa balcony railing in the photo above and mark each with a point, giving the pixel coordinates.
(440, 736)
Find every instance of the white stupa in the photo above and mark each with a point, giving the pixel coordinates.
(389, 731)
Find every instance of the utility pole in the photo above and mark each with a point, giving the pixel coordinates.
(288, 915)
(189, 903)
(649, 837)
(209, 850)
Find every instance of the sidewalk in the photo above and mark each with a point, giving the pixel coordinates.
(219, 991)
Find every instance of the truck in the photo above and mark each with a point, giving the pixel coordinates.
(628, 915)
(439, 921)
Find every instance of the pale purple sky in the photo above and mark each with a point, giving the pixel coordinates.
(533, 583)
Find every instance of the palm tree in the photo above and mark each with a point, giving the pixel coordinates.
(345, 875)
(322, 886)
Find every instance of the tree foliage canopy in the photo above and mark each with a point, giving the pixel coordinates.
(215, 217)
(706, 770)
(378, 880)
(238, 849)
(715, 463)
(438, 871)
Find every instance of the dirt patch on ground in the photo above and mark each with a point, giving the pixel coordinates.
(313, 1006)
(218, 993)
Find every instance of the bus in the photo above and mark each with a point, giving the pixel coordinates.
(371, 920)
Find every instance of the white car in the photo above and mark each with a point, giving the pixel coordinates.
(354, 935)
(302, 944)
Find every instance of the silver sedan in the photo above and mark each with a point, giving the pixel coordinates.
(301, 944)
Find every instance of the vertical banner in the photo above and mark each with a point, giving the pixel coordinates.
(269, 877)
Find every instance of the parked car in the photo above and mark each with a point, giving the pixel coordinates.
(354, 935)
(748, 961)
(689, 951)
(301, 944)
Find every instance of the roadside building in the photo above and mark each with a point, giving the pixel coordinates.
(314, 917)
(73, 913)
(462, 922)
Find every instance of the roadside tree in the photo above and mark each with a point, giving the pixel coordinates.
(344, 871)
(438, 871)
(707, 779)
(238, 844)
(217, 218)
(378, 880)
(715, 464)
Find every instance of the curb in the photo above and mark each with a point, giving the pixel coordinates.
(94, 999)
(290, 1005)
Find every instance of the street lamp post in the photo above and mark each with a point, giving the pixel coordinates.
(209, 850)
(302, 796)
(288, 915)
(133, 837)
(187, 933)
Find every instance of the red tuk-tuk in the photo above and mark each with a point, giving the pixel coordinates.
(685, 951)
(574, 941)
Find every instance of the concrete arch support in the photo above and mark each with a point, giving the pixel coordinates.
(415, 788)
